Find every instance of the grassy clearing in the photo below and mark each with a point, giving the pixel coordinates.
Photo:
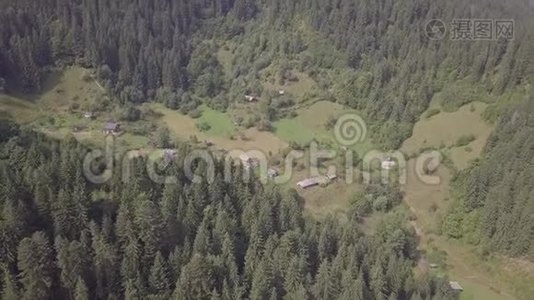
(302, 90)
(59, 109)
(61, 91)
(250, 139)
(184, 126)
(220, 123)
(310, 124)
(321, 201)
(18, 110)
(445, 129)
(333, 199)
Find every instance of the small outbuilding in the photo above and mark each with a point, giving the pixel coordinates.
(455, 286)
(251, 98)
(388, 164)
(308, 183)
(111, 128)
(89, 115)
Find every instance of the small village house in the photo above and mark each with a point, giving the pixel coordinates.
(111, 128)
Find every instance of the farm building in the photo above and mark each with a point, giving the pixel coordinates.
(251, 98)
(308, 183)
(89, 115)
(111, 128)
(455, 286)
(388, 164)
(314, 181)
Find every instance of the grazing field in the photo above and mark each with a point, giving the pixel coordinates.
(184, 127)
(302, 89)
(59, 91)
(58, 110)
(23, 111)
(220, 123)
(445, 129)
(63, 93)
(331, 199)
(310, 124)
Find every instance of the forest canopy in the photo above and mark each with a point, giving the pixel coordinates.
(62, 237)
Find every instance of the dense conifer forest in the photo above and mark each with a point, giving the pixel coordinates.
(497, 204)
(62, 237)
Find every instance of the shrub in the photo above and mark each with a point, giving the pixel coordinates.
(129, 113)
(249, 123)
(195, 113)
(264, 125)
(465, 140)
(74, 106)
(86, 76)
(203, 126)
(432, 112)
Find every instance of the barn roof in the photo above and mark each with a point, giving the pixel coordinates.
(111, 126)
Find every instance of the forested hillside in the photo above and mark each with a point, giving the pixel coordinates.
(371, 55)
(63, 238)
(497, 198)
